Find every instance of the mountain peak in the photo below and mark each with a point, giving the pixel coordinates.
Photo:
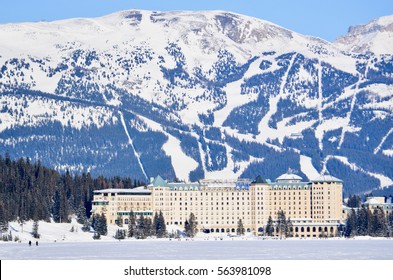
(375, 36)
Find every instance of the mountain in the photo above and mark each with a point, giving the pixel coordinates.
(197, 94)
(375, 37)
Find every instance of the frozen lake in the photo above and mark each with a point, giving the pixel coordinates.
(202, 250)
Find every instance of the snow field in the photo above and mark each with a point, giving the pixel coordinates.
(58, 242)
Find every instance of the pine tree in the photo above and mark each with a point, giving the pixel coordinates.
(35, 230)
(149, 229)
(190, 226)
(240, 227)
(354, 201)
(282, 226)
(379, 226)
(141, 228)
(81, 214)
(96, 235)
(155, 223)
(132, 225)
(187, 228)
(161, 226)
(350, 227)
(193, 224)
(95, 222)
(99, 224)
(56, 208)
(390, 224)
(86, 226)
(269, 226)
(120, 234)
(3, 220)
(288, 227)
(363, 220)
(119, 221)
(104, 225)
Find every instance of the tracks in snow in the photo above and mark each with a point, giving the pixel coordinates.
(353, 101)
(131, 143)
(376, 150)
(265, 131)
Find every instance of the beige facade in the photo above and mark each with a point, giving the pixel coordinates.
(315, 208)
(379, 202)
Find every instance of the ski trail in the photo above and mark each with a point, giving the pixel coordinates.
(353, 101)
(324, 167)
(234, 97)
(264, 130)
(348, 117)
(320, 97)
(202, 153)
(376, 150)
(383, 180)
(131, 144)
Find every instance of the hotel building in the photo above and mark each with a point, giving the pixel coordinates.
(315, 207)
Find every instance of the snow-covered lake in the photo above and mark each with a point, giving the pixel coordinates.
(202, 250)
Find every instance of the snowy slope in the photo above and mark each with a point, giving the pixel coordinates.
(197, 94)
(375, 36)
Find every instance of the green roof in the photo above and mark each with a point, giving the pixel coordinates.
(159, 182)
(259, 180)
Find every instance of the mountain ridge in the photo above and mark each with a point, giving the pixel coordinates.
(375, 36)
(193, 95)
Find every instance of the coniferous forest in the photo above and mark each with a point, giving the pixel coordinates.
(30, 191)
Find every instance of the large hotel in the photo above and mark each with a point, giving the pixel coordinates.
(315, 207)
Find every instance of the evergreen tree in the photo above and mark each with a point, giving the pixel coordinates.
(390, 224)
(86, 226)
(363, 220)
(350, 227)
(140, 228)
(240, 227)
(99, 224)
(282, 226)
(81, 214)
(119, 221)
(35, 230)
(3, 220)
(161, 226)
(96, 235)
(190, 226)
(96, 223)
(354, 201)
(104, 225)
(120, 234)
(149, 229)
(132, 225)
(269, 226)
(379, 226)
(56, 208)
(155, 223)
(187, 228)
(288, 227)
(193, 224)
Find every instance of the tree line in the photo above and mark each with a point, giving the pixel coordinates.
(141, 227)
(363, 221)
(31, 191)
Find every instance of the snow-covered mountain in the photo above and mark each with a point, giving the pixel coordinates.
(197, 94)
(375, 37)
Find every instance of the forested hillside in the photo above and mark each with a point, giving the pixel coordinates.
(30, 191)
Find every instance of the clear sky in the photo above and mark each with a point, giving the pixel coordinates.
(327, 19)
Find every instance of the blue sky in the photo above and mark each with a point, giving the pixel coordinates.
(325, 19)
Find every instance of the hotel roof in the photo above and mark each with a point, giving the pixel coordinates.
(135, 190)
(326, 178)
